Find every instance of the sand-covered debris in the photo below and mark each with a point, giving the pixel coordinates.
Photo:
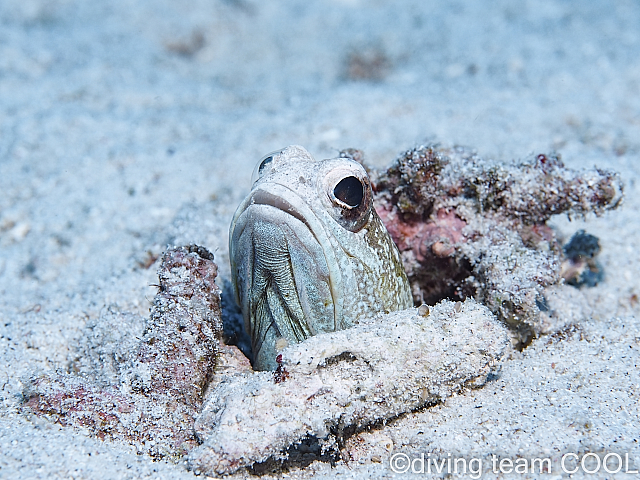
(381, 368)
(470, 226)
(157, 393)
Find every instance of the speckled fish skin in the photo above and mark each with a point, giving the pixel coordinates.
(303, 261)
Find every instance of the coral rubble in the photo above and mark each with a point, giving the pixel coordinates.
(347, 380)
(467, 226)
(160, 390)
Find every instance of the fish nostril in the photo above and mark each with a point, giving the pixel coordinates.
(349, 191)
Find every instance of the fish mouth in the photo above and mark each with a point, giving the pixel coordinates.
(264, 197)
(286, 277)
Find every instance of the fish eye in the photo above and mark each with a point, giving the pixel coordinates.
(349, 191)
(347, 194)
(265, 161)
(263, 166)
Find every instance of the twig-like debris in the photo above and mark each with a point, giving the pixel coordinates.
(472, 227)
(377, 370)
(161, 390)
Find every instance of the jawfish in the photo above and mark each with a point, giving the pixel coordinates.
(309, 254)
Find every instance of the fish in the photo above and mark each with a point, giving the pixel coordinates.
(309, 254)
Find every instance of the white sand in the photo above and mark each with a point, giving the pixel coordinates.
(108, 134)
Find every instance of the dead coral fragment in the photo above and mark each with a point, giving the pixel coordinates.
(466, 226)
(534, 190)
(180, 344)
(161, 389)
(530, 191)
(376, 370)
(414, 180)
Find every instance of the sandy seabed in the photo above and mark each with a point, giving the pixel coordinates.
(119, 120)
